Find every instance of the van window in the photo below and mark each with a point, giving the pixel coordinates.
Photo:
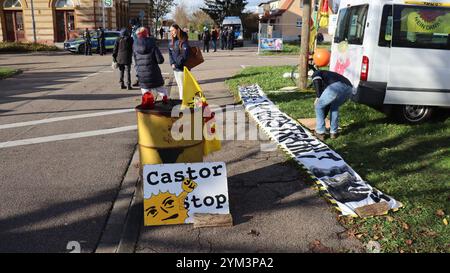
(351, 25)
(421, 27)
(386, 27)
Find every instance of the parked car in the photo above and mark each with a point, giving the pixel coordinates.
(396, 53)
(76, 45)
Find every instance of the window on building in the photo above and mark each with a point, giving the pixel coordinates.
(12, 4)
(299, 22)
(421, 27)
(64, 4)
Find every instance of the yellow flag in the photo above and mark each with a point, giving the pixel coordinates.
(193, 97)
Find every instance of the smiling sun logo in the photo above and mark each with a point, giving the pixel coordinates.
(166, 208)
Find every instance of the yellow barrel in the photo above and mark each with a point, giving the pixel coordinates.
(156, 144)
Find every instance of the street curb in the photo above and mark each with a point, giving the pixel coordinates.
(121, 226)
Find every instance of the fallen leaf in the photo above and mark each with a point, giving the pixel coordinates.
(405, 226)
(408, 242)
(390, 218)
(440, 213)
(253, 232)
(317, 247)
(445, 221)
(359, 236)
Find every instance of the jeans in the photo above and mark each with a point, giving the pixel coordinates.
(122, 68)
(214, 45)
(334, 96)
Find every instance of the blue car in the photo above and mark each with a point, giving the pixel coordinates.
(76, 45)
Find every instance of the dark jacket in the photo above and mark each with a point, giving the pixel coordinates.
(178, 56)
(323, 78)
(123, 49)
(148, 58)
(206, 36)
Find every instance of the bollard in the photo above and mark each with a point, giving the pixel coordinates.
(156, 144)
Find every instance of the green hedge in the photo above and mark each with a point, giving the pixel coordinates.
(15, 47)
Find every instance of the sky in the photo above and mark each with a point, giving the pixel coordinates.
(195, 4)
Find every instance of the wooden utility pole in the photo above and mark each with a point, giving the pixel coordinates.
(304, 45)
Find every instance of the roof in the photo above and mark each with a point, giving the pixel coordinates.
(278, 12)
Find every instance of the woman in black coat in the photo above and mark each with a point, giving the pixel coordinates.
(122, 55)
(148, 58)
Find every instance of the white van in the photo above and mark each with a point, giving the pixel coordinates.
(397, 54)
(236, 23)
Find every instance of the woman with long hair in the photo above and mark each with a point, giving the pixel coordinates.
(178, 54)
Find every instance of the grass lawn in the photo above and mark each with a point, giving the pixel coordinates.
(6, 72)
(13, 47)
(410, 163)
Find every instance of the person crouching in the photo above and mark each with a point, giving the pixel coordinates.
(332, 90)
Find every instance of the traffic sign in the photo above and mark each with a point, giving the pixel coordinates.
(108, 3)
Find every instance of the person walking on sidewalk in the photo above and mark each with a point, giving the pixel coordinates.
(101, 41)
(148, 59)
(161, 33)
(230, 38)
(223, 38)
(206, 37)
(122, 55)
(214, 38)
(135, 25)
(332, 90)
(87, 42)
(178, 54)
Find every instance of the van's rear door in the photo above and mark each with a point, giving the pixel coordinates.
(419, 66)
(347, 47)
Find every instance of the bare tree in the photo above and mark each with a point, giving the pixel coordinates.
(159, 9)
(181, 15)
(199, 19)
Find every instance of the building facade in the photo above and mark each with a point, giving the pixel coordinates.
(58, 20)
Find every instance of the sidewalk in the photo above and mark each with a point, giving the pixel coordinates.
(273, 209)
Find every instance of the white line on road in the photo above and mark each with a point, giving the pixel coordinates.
(41, 121)
(66, 136)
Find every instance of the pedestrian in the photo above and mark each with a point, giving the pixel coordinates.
(148, 59)
(161, 33)
(122, 55)
(101, 41)
(332, 90)
(87, 42)
(223, 38)
(206, 37)
(214, 38)
(230, 38)
(178, 53)
(135, 25)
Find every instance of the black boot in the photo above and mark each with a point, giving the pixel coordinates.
(129, 87)
(136, 84)
(122, 86)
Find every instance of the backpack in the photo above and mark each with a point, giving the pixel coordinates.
(195, 57)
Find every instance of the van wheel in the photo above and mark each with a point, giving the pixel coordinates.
(414, 113)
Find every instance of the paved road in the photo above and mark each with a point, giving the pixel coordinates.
(61, 189)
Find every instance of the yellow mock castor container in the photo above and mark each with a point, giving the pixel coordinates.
(156, 144)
